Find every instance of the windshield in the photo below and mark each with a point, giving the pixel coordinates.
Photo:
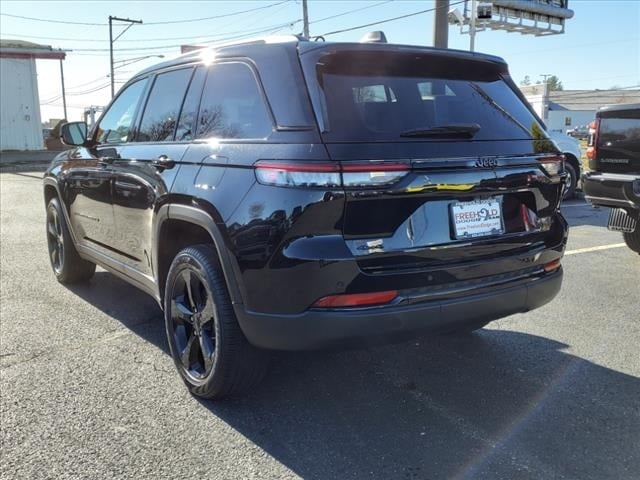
(408, 98)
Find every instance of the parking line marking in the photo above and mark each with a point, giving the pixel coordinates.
(595, 249)
(567, 205)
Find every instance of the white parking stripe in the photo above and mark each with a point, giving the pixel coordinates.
(595, 249)
(567, 205)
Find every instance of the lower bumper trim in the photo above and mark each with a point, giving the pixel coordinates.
(314, 329)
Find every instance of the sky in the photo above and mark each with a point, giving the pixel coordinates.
(599, 49)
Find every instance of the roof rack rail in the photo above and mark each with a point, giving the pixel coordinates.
(249, 41)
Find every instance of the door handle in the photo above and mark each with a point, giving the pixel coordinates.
(163, 162)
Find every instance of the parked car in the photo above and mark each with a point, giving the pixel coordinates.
(570, 147)
(614, 160)
(293, 195)
(580, 132)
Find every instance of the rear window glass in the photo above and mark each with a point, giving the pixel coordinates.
(375, 100)
(619, 132)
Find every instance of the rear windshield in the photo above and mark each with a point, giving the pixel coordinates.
(620, 132)
(371, 98)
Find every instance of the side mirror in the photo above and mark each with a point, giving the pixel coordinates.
(74, 133)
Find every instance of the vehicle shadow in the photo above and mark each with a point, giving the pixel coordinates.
(496, 404)
(579, 213)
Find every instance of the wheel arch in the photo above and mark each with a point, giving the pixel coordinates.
(571, 158)
(178, 226)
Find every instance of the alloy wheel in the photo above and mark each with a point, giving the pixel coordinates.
(193, 324)
(55, 240)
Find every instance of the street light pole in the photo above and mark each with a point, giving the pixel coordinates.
(112, 40)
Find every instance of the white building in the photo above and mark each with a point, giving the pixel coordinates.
(564, 109)
(20, 124)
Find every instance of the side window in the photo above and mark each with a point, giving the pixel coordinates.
(163, 106)
(232, 106)
(115, 125)
(187, 124)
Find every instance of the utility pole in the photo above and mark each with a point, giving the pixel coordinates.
(305, 19)
(64, 95)
(112, 40)
(472, 27)
(441, 24)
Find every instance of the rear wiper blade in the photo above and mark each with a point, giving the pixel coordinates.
(453, 130)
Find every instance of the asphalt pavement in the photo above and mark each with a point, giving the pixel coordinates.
(88, 390)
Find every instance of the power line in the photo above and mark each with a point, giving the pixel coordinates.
(400, 17)
(349, 11)
(165, 47)
(166, 22)
(50, 101)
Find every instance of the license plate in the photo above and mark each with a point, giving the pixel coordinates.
(477, 219)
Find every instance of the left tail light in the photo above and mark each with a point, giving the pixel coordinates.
(292, 173)
(554, 165)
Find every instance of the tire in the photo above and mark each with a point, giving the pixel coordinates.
(570, 187)
(66, 263)
(211, 353)
(633, 239)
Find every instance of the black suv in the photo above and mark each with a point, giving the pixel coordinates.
(614, 158)
(288, 194)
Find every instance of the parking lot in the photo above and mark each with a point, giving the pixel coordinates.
(88, 389)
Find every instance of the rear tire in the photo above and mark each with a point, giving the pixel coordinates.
(66, 263)
(633, 239)
(211, 353)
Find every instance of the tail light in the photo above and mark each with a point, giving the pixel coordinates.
(363, 174)
(554, 166)
(298, 174)
(593, 142)
(356, 299)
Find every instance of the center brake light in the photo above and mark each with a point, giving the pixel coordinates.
(293, 173)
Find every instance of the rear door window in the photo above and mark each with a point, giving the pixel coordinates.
(188, 116)
(161, 112)
(369, 99)
(232, 104)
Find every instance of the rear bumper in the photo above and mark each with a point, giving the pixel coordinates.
(612, 189)
(315, 329)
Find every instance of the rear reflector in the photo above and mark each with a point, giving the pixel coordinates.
(293, 173)
(356, 299)
(551, 266)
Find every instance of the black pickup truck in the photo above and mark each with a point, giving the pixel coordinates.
(614, 160)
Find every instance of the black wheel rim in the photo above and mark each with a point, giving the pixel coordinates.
(55, 240)
(193, 324)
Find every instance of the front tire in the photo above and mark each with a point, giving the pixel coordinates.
(211, 353)
(572, 181)
(66, 263)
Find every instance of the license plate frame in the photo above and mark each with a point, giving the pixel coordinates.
(481, 217)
